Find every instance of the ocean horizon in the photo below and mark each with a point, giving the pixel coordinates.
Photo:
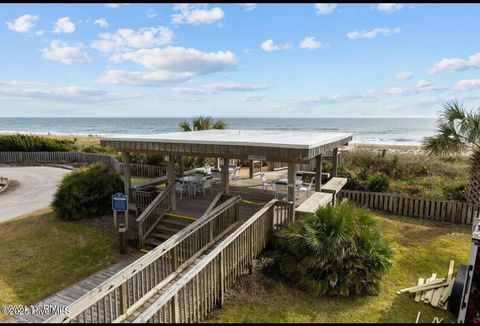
(399, 131)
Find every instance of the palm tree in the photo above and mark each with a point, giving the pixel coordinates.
(201, 123)
(458, 130)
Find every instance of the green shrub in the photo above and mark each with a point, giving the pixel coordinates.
(454, 191)
(29, 143)
(86, 192)
(97, 149)
(336, 251)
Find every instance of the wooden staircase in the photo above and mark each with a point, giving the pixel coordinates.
(170, 224)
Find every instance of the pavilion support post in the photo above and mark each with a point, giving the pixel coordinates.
(335, 162)
(225, 176)
(271, 166)
(318, 172)
(217, 162)
(250, 172)
(171, 181)
(180, 166)
(127, 182)
(291, 183)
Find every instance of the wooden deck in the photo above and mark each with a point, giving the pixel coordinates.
(250, 191)
(67, 296)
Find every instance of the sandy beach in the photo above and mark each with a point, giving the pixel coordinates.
(83, 141)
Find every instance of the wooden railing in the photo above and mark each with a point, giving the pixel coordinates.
(79, 157)
(130, 288)
(414, 206)
(153, 214)
(203, 287)
(283, 215)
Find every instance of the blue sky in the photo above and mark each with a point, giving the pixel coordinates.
(232, 60)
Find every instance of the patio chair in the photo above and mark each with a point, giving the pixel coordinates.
(204, 184)
(307, 187)
(208, 169)
(281, 190)
(265, 183)
(217, 175)
(234, 173)
(180, 187)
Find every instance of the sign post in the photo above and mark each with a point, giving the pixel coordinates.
(119, 204)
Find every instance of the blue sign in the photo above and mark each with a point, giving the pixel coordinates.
(119, 202)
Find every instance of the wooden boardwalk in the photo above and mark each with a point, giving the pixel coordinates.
(67, 296)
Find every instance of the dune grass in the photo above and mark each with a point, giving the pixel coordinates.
(41, 255)
(420, 248)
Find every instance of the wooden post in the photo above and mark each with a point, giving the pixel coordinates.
(171, 181)
(335, 162)
(291, 183)
(217, 163)
(126, 173)
(174, 310)
(180, 166)
(250, 172)
(318, 172)
(123, 299)
(221, 279)
(270, 166)
(225, 176)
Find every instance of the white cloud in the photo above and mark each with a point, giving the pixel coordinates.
(389, 7)
(250, 98)
(125, 39)
(373, 33)
(269, 46)
(40, 32)
(152, 13)
(456, 64)
(115, 5)
(248, 6)
(310, 43)
(467, 84)
(168, 65)
(23, 24)
(196, 14)
(234, 87)
(404, 75)
(102, 22)
(63, 25)
(30, 90)
(324, 8)
(212, 88)
(65, 53)
(190, 91)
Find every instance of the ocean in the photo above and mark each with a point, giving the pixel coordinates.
(400, 131)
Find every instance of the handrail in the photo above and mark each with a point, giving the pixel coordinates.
(163, 202)
(175, 288)
(118, 282)
(214, 203)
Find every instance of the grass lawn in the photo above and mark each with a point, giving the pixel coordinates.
(42, 255)
(421, 248)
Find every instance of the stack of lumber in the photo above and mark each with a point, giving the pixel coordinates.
(434, 291)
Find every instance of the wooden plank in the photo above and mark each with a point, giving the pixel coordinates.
(430, 284)
(418, 294)
(429, 294)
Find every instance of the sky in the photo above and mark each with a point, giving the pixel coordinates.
(237, 60)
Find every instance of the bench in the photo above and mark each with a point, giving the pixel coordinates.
(333, 186)
(312, 203)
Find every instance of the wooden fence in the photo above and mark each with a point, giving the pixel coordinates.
(79, 157)
(123, 293)
(203, 287)
(413, 206)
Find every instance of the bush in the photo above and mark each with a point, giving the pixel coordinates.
(86, 192)
(336, 251)
(455, 191)
(29, 143)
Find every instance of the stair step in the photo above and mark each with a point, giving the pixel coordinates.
(153, 242)
(166, 228)
(160, 236)
(175, 220)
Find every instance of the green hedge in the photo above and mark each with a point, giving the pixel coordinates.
(86, 192)
(29, 143)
